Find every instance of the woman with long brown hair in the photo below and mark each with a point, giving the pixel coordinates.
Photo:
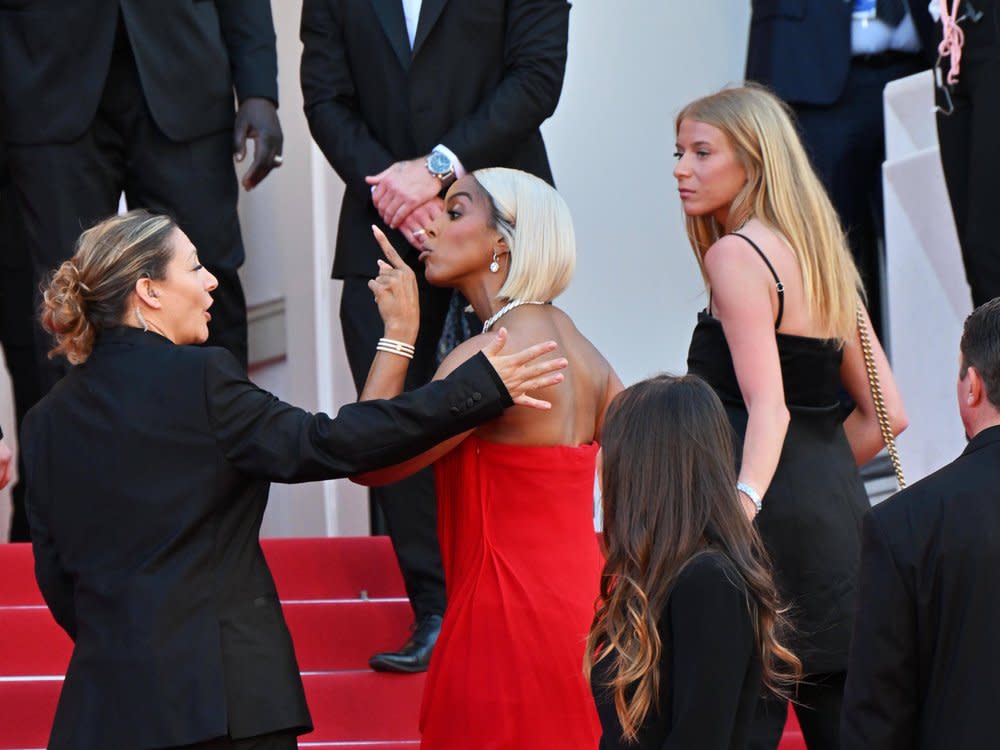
(780, 343)
(687, 630)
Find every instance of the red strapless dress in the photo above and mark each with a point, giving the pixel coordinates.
(522, 569)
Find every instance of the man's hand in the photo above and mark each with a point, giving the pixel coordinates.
(521, 372)
(257, 118)
(5, 463)
(401, 188)
(414, 227)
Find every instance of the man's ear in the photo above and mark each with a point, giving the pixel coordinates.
(975, 390)
(145, 291)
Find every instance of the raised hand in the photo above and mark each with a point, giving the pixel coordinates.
(395, 290)
(523, 372)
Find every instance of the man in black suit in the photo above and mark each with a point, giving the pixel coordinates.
(403, 96)
(924, 657)
(98, 97)
(830, 60)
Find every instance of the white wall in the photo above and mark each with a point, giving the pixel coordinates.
(632, 65)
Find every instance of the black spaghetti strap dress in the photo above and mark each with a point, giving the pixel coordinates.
(811, 519)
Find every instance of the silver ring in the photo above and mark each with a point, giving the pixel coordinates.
(418, 233)
(277, 160)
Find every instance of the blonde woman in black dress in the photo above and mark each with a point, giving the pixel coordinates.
(779, 344)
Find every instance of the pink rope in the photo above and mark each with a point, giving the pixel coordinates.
(954, 38)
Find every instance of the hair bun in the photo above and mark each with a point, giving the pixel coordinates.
(64, 313)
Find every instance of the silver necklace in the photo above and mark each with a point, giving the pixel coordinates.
(506, 309)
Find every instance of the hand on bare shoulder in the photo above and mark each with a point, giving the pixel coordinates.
(522, 372)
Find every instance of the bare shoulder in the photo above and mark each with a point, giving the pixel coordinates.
(730, 255)
(463, 353)
(736, 270)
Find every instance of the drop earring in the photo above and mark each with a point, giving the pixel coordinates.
(495, 265)
(142, 320)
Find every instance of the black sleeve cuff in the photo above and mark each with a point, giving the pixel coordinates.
(497, 380)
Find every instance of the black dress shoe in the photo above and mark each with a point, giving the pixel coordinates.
(415, 655)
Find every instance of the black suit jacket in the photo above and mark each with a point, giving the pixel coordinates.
(55, 54)
(481, 79)
(925, 655)
(801, 49)
(149, 468)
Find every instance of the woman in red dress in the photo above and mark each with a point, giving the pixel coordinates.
(515, 497)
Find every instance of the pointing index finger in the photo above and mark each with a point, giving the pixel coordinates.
(387, 248)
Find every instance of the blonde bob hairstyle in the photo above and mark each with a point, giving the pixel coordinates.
(536, 224)
(782, 191)
(91, 290)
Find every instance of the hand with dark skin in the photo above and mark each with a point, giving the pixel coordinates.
(257, 119)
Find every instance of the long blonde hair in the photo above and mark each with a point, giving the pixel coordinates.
(783, 191)
(667, 488)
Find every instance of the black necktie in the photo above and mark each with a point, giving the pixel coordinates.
(890, 11)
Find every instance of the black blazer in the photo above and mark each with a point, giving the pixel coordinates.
(54, 58)
(801, 49)
(149, 468)
(481, 79)
(925, 659)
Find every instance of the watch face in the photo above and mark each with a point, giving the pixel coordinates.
(438, 163)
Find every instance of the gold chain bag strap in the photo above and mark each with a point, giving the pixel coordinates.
(876, 388)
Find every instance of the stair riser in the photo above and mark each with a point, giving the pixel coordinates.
(327, 636)
(319, 568)
(345, 706)
(353, 706)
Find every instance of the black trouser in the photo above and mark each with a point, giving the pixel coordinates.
(409, 506)
(17, 311)
(272, 741)
(846, 141)
(64, 188)
(818, 701)
(970, 154)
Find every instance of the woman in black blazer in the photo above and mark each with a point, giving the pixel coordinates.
(687, 630)
(149, 466)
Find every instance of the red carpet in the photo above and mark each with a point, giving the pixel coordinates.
(343, 599)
